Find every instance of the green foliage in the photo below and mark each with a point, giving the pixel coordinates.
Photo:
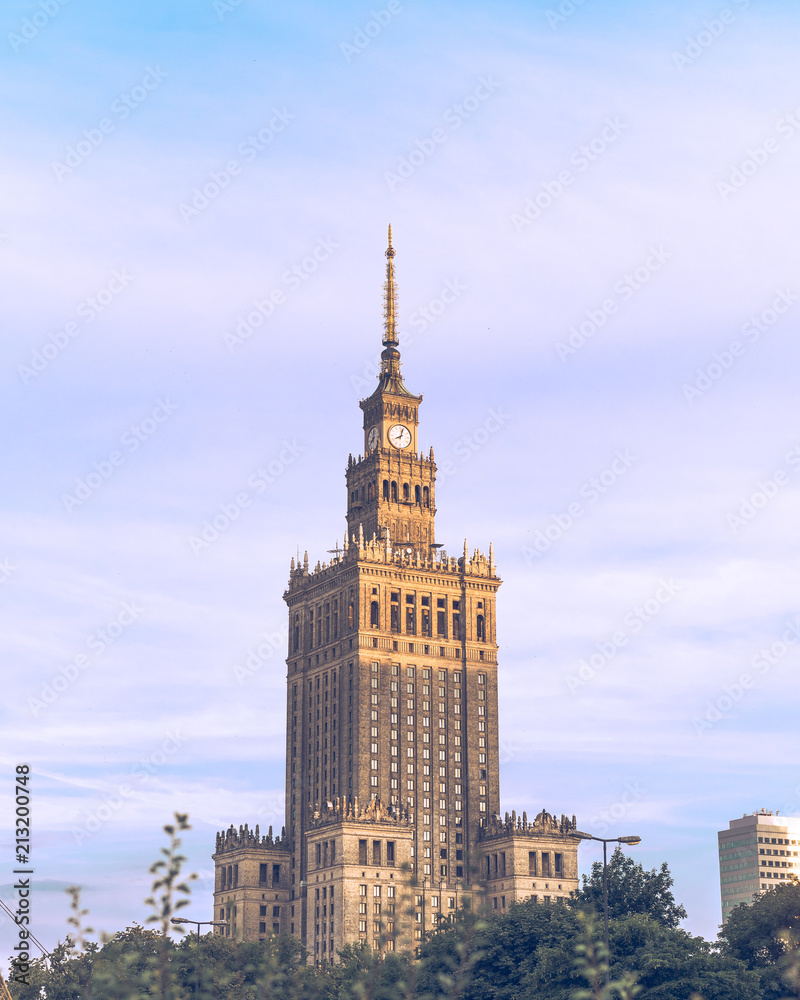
(631, 889)
(765, 936)
(450, 957)
(591, 964)
(757, 934)
(671, 964)
(533, 951)
(171, 864)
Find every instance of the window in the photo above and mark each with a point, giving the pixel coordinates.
(411, 614)
(389, 852)
(545, 864)
(374, 615)
(441, 619)
(559, 864)
(481, 628)
(362, 852)
(376, 853)
(531, 862)
(262, 873)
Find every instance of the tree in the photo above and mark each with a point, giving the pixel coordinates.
(631, 889)
(670, 964)
(766, 937)
(527, 951)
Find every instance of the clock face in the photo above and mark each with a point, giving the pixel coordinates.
(373, 438)
(400, 436)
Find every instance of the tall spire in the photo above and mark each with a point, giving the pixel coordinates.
(389, 299)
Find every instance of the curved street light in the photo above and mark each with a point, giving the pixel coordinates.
(199, 923)
(607, 840)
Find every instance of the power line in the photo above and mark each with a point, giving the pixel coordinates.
(31, 935)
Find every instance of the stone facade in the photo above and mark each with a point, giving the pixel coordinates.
(522, 859)
(392, 739)
(252, 884)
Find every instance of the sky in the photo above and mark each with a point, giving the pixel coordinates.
(595, 212)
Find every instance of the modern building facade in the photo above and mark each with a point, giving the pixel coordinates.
(755, 852)
(392, 739)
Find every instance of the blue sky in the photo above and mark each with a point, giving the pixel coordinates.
(655, 152)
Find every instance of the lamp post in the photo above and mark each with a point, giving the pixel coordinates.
(605, 841)
(199, 923)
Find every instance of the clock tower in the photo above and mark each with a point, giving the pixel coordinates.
(390, 489)
(392, 736)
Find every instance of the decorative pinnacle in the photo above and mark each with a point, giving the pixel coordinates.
(389, 299)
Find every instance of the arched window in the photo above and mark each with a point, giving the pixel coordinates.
(417, 494)
(426, 496)
(374, 615)
(386, 489)
(296, 631)
(481, 623)
(405, 491)
(350, 614)
(394, 491)
(370, 491)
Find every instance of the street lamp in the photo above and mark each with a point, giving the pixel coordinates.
(605, 841)
(199, 923)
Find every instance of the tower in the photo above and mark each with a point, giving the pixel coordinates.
(392, 744)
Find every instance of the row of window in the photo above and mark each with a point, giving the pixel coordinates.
(228, 913)
(538, 864)
(406, 615)
(392, 492)
(229, 876)
(729, 845)
(535, 898)
(322, 622)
